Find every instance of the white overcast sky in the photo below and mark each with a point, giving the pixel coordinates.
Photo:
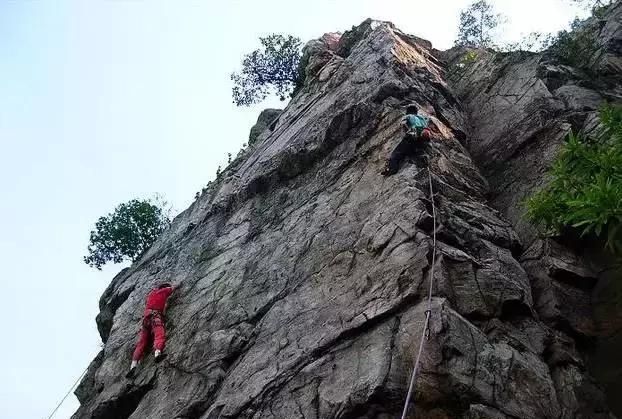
(104, 101)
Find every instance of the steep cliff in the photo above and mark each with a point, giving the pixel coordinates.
(302, 271)
(521, 106)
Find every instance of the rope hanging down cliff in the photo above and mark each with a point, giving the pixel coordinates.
(68, 392)
(425, 332)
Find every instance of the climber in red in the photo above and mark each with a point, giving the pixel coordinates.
(152, 326)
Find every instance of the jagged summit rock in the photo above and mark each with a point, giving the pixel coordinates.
(303, 272)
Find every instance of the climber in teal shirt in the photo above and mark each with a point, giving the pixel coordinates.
(417, 134)
(415, 124)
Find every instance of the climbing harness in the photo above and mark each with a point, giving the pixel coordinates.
(68, 392)
(426, 325)
(152, 319)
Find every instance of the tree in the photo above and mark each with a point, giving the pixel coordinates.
(126, 233)
(477, 25)
(272, 68)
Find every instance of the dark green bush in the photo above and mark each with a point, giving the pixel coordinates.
(574, 47)
(585, 192)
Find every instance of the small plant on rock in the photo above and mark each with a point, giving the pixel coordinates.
(465, 62)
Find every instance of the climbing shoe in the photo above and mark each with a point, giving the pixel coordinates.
(132, 371)
(158, 355)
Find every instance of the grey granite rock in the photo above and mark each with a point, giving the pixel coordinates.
(302, 273)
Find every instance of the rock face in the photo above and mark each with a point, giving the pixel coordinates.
(302, 273)
(521, 106)
(263, 125)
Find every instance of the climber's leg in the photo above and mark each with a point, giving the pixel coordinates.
(159, 336)
(398, 154)
(143, 340)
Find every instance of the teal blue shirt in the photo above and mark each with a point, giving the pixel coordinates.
(417, 122)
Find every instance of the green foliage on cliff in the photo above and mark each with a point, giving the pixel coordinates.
(272, 68)
(126, 233)
(585, 192)
(576, 46)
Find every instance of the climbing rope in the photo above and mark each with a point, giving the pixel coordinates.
(425, 332)
(68, 393)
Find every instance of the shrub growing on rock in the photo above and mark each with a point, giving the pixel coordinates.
(574, 47)
(585, 191)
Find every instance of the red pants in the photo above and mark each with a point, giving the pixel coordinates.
(153, 326)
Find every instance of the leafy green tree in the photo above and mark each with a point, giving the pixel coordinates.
(477, 25)
(576, 46)
(585, 191)
(272, 68)
(126, 233)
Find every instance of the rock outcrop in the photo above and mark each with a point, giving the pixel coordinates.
(302, 272)
(264, 124)
(521, 106)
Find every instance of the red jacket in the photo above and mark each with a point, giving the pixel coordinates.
(156, 300)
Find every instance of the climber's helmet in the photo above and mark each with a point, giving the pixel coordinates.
(412, 109)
